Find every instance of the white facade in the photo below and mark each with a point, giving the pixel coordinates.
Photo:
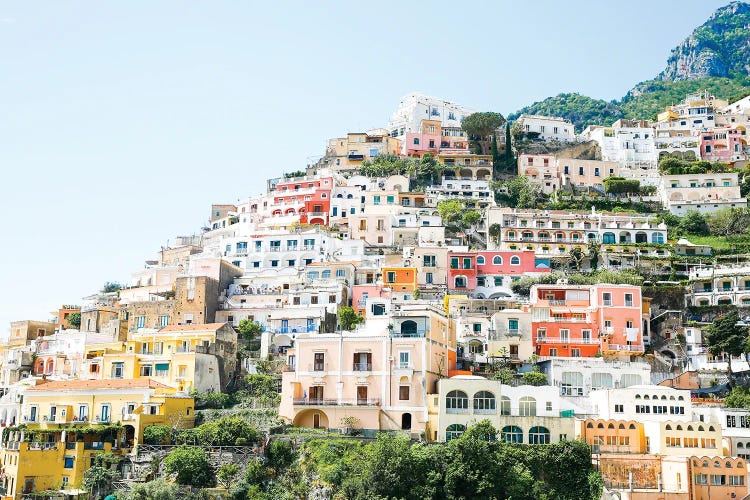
(416, 107)
(549, 128)
(580, 376)
(642, 403)
(705, 193)
(474, 192)
(631, 147)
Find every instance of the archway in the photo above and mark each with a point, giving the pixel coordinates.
(409, 328)
(311, 419)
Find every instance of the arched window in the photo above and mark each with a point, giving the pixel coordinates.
(326, 273)
(589, 425)
(457, 402)
(504, 405)
(646, 397)
(631, 426)
(711, 428)
(663, 397)
(484, 402)
(480, 260)
(538, 435)
(608, 238)
(680, 398)
(611, 426)
(511, 234)
(657, 238)
(668, 427)
(621, 426)
(454, 431)
(497, 260)
(690, 428)
(511, 434)
(527, 406)
(460, 282)
(740, 445)
(515, 260)
(678, 428)
(700, 428)
(349, 196)
(637, 396)
(600, 425)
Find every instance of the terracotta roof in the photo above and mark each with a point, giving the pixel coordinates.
(93, 385)
(193, 327)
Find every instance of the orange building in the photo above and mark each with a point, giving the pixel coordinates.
(614, 436)
(62, 315)
(400, 279)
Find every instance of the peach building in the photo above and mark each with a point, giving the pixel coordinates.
(373, 378)
(613, 436)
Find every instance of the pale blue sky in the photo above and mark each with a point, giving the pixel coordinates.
(121, 122)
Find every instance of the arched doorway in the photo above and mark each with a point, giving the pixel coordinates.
(409, 328)
(406, 421)
(128, 436)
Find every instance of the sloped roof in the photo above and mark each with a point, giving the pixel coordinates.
(96, 385)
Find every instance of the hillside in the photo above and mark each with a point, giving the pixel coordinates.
(715, 57)
(720, 47)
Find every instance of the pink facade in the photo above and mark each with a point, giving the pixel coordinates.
(417, 144)
(723, 144)
(360, 294)
(507, 263)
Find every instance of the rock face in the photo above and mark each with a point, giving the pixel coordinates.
(720, 47)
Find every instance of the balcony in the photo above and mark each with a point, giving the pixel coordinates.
(354, 156)
(96, 445)
(419, 332)
(626, 347)
(336, 402)
(566, 340)
(274, 249)
(362, 367)
(317, 367)
(566, 319)
(513, 332)
(36, 446)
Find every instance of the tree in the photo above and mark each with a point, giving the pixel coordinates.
(349, 318)
(261, 385)
(157, 489)
(112, 286)
(157, 434)
(510, 161)
(450, 211)
(471, 218)
(726, 337)
(594, 251)
(519, 192)
(693, 222)
(99, 477)
(190, 465)
(74, 320)
(226, 474)
(228, 431)
(496, 159)
(250, 329)
(280, 454)
(534, 378)
(576, 258)
(620, 185)
(504, 375)
(728, 222)
(483, 124)
(494, 231)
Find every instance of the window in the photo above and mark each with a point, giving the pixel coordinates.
(403, 359)
(484, 402)
(117, 370)
(527, 406)
(718, 479)
(701, 479)
(629, 299)
(319, 362)
(596, 172)
(340, 273)
(403, 393)
(467, 262)
(69, 461)
(428, 278)
(429, 261)
(146, 370)
(480, 260)
(140, 321)
(326, 274)
(104, 416)
(538, 435)
(163, 320)
(454, 262)
(460, 282)
(497, 260)
(619, 408)
(607, 298)
(504, 405)
(454, 431)
(456, 402)
(390, 277)
(736, 480)
(162, 369)
(511, 434)
(515, 260)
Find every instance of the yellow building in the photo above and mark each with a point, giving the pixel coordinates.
(67, 422)
(185, 357)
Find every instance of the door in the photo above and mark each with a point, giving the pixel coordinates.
(316, 420)
(310, 325)
(284, 326)
(362, 395)
(513, 352)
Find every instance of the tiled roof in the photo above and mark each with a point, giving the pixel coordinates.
(193, 327)
(93, 385)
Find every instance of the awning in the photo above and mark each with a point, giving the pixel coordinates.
(162, 366)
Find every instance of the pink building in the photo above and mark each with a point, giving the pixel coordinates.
(373, 378)
(723, 144)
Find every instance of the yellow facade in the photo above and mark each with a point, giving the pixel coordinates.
(49, 454)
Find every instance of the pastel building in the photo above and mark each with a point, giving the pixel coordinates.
(524, 414)
(415, 108)
(548, 128)
(719, 286)
(345, 154)
(375, 377)
(613, 436)
(583, 320)
(577, 377)
(629, 143)
(643, 403)
(723, 144)
(705, 193)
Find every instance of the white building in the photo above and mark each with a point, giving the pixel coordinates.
(580, 376)
(416, 107)
(476, 194)
(642, 403)
(705, 193)
(735, 426)
(631, 144)
(549, 128)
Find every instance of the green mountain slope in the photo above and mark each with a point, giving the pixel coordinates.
(715, 58)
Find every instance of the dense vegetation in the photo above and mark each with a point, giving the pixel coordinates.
(581, 110)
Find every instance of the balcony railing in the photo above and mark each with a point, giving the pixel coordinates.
(418, 333)
(317, 367)
(626, 347)
(566, 319)
(565, 340)
(362, 367)
(336, 402)
(98, 445)
(513, 332)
